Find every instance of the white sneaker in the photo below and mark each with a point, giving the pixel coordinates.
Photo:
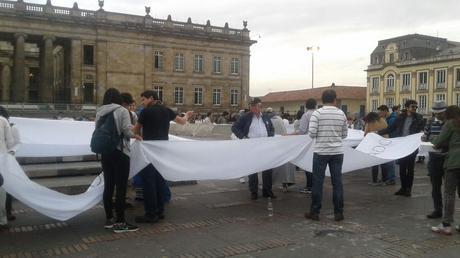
(441, 229)
(242, 180)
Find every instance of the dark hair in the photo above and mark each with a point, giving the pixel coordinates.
(410, 102)
(329, 96)
(208, 114)
(371, 117)
(4, 113)
(111, 95)
(453, 113)
(150, 94)
(127, 98)
(310, 104)
(394, 108)
(299, 114)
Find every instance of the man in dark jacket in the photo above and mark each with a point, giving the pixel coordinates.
(409, 122)
(254, 124)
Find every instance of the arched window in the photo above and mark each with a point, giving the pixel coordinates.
(390, 83)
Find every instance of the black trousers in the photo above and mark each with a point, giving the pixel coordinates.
(8, 204)
(153, 184)
(266, 182)
(436, 172)
(116, 172)
(406, 171)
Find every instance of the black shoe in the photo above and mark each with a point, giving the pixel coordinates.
(254, 196)
(407, 193)
(269, 194)
(124, 227)
(434, 215)
(10, 217)
(312, 216)
(400, 192)
(146, 219)
(338, 217)
(109, 224)
(161, 216)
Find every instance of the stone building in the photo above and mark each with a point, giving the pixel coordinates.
(52, 55)
(351, 99)
(419, 67)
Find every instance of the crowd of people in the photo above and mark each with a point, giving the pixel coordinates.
(326, 125)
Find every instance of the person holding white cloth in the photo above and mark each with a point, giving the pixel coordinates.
(6, 143)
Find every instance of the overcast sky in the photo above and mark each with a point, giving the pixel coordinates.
(346, 32)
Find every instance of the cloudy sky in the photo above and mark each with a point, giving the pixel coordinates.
(346, 32)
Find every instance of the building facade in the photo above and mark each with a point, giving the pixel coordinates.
(418, 67)
(351, 99)
(54, 55)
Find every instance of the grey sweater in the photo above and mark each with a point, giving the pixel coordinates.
(122, 121)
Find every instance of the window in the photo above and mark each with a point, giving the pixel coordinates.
(216, 95)
(441, 79)
(179, 95)
(458, 99)
(179, 61)
(375, 84)
(158, 60)
(422, 80)
(457, 81)
(235, 66)
(390, 102)
(440, 97)
(88, 55)
(403, 101)
(234, 97)
(216, 64)
(376, 60)
(159, 91)
(375, 104)
(198, 96)
(198, 63)
(405, 82)
(422, 104)
(390, 83)
(406, 56)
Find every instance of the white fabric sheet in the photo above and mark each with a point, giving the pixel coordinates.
(177, 160)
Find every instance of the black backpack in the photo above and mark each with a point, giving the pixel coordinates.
(105, 137)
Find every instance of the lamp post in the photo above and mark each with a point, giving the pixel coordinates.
(312, 49)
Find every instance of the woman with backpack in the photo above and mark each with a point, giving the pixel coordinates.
(112, 117)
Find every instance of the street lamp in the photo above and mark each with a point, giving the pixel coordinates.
(312, 49)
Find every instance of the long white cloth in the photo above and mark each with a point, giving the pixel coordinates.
(186, 160)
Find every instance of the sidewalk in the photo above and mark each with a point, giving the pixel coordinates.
(218, 219)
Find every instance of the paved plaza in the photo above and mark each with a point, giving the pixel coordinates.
(218, 219)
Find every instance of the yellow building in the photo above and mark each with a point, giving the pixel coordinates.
(418, 67)
(351, 99)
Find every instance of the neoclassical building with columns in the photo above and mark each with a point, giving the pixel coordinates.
(56, 55)
(418, 67)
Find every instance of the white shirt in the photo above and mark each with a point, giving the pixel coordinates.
(257, 128)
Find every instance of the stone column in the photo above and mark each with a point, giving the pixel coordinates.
(5, 82)
(101, 70)
(75, 71)
(19, 79)
(244, 73)
(46, 89)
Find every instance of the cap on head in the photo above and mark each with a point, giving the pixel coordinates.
(255, 101)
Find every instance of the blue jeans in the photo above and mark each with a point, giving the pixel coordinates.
(153, 191)
(320, 162)
(389, 168)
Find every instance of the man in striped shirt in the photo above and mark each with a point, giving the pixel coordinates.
(328, 126)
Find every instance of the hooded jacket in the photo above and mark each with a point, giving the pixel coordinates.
(122, 122)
